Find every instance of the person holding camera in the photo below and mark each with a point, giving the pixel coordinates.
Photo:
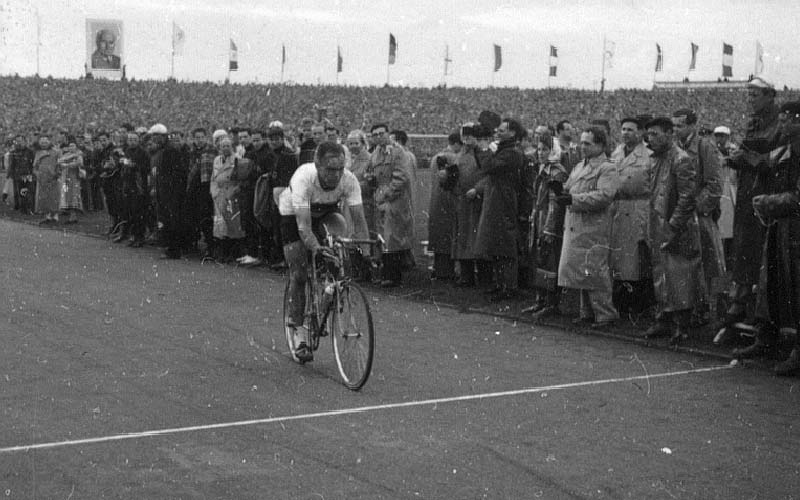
(442, 212)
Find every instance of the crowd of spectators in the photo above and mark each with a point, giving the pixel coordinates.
(558, 205)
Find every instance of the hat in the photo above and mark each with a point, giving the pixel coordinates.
(141, 130)
(157, 129)
(275, 131)
(722, 130)
(490, 119)
(275, 123)
(217, 134)
(761, 83)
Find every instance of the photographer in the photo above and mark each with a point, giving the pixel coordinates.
(441, 225)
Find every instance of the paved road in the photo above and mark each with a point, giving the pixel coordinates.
(102, 341)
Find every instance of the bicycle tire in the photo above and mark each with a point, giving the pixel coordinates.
(310, 321)
(352, 335)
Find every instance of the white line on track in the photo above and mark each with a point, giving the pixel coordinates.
(349, 411)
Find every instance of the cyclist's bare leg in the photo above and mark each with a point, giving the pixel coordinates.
(297, 262)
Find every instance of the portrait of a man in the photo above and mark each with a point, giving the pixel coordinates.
(104, 45)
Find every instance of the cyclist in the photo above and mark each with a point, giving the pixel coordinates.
(315, 197)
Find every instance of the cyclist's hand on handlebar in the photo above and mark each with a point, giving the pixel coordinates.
(328, 254)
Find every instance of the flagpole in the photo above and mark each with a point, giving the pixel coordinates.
(172, 64)
(603, 71)
(38, 39)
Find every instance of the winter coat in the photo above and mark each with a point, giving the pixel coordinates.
(225, 189)
(70, 181)
(360, 166)
(171, 173)
(442, 212)
(547, 216)
(677, 272)
(498, 229)
(707, 195)
(593, 183)
(468, 211)
(48, 185)
(395, 212)
(630, 213)
(778, 298)
(750, 163)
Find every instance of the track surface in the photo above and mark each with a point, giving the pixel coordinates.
(125, 376)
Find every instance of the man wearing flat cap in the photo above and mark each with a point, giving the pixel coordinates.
(778, 301)
(751, 164)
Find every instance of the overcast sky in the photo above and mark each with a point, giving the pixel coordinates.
(312, 29)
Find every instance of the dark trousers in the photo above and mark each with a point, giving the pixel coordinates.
(476, 271)
(392, 266)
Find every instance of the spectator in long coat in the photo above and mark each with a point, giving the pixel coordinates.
(630, 251)
(360, 166)
(472, 268)
(778, 301)
(727, 202)
(225, 188)
(199, 205)
(20, 171)
(498, 229)
(750, 163)
(588, 195)
(707, 196)
(133, 178)
(546, 228)
(45, 168)
(72, 172)
(285, 166)
(171, 167)
(395, 215)
(442, 212)
(674, 234)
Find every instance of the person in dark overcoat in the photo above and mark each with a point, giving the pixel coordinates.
(171, 166)
(778, 296)
(442, 211)
(707, 195)
(497, 237)
(750, 162)
(674, 234)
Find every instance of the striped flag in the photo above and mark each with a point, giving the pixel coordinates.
(693, 62)
(498, 57)
(553, 60)
(659, 59)
(727, 59)
(392, 48)
(233, 59)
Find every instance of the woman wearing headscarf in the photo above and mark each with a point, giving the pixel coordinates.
(225, 189)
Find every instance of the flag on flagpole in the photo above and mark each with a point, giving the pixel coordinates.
(338, 59)
(392, 48)
(233, 59)
(178, 37)
(759, 59)
(693, 62)
(498, 57)
(609, 48)
(553, 60)
(727, 59)
(659, 59)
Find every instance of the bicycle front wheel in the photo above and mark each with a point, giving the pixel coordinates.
(353, 335)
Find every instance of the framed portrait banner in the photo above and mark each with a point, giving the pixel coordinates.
(104, 47)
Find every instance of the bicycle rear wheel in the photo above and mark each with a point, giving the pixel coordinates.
(309, 320)
(353, 335)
